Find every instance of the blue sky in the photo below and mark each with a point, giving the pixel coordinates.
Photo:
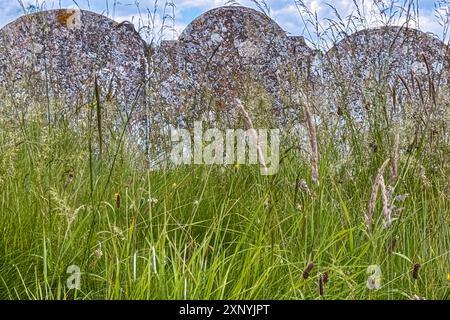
(285, 12)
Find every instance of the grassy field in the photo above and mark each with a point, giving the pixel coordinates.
(85, 215)
(216, 232)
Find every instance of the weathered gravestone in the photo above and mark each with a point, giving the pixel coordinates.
(226, 53)
(58, 54)
(397, 63)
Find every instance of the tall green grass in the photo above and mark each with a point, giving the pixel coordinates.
(213, 232)
(75, 190)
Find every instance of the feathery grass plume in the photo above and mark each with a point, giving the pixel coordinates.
(385, 196)
(308, 270)
(415, 272)
(254, 135)
(61, 205)
(312, 137)
(394, 160)
(98, 253)
(374, 194)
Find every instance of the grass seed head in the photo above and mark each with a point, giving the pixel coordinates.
(308, 270)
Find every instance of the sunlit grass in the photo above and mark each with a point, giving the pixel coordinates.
(213, 232)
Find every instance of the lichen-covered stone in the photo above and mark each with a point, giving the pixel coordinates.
(397, 63)
(225, 53)
(57, 54)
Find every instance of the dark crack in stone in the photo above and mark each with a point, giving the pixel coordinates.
(395, 63)
(57, 54)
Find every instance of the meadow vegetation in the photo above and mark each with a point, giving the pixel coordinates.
(83, 193)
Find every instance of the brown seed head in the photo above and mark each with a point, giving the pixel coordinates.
(308, 270)
(416, 269)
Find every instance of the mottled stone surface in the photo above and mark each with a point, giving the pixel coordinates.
(397, 60)
(224, 54)
(61, 51)
(228, 52)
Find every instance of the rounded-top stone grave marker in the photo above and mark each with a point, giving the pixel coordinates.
(58, 54)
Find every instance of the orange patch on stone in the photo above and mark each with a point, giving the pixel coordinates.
(63, 17)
